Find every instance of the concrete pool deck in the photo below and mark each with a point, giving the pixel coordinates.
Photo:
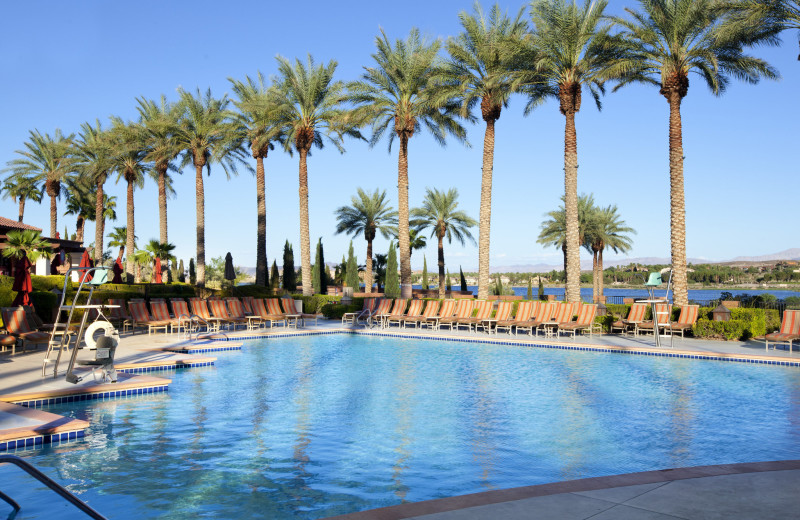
(757, 490)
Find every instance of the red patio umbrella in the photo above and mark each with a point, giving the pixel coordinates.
(117, 270)
(157, 271)
(86, 262)
(57, 262)
(22, 281)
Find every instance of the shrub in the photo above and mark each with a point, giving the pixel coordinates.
(314, 303)
(256, 291)
(335, 312)
(744, 324)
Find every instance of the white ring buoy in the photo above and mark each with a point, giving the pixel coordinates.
(105, 326)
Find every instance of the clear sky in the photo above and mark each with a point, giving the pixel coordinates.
(64, 63)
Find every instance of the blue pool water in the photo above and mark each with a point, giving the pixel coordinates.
(316, 426)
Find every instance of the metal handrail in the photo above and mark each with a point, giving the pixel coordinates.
(47, 481)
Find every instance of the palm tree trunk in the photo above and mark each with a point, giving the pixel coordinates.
(368, 269)
(305, 240)
(402, 212)
(99, 220)
(441, 267)
(129, 237)
(79, 224)
(601, 282)
(21, 208)
(595, 293)
(162, 212)
(261, 239)
(53, 215)
(200, 206)
(680, 286)
(573, 285)
(485, 211)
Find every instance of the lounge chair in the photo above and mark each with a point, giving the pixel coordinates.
(118, 315)
(182, 315)
(382, 309)
(686, 320)
(503, 314)
(138, 311)
(432, 322)
(562, 315)
(160, 313)
(584, 322)
(788, 333)
(17, 326)
(236, 311)
(414, 311)
(663, 311)
(247, 304)
(260, 309)
(635, 316)
(463, 310)
(483, 312)
(351, 318)
(7, 340)
(291, 310)
(544, 313)
(200, 309)
(524, 311)
(430, 311)
(220, 310)
(398, 309)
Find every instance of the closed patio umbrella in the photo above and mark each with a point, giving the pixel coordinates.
(57, 262)
(157, 270)
(230, 272)
(86, 262)
(117, 269)
(22, 281)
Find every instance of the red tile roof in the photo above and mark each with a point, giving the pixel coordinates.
(13, 224)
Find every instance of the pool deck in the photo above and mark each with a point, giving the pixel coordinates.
(763, 489)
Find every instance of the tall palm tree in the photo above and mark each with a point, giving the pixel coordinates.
(480, 59)
(206, 133)
(92, 152)
(80, 202)
(370, 214)
(158, 121)
(140, 258)
(257, 120)
(162, 251)
(554, 230)
(670, 39)
(310, 107)
(129, 164)
(575, 50)
(769, 15)
(440, 213)
(395, 95)
(48, 161)
(119, 238)
(20, 189)
(605, 230)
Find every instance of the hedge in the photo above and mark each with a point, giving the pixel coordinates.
(744, 324)
(315, 303)
(40, 283)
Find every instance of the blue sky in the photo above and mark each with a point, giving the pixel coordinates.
(64, 63)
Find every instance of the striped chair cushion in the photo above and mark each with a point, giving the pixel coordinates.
(383, 307)
(465, 308)
(218, 309)
(274, 306)
(790, 323)
(484, 309)
(14, 320)
(139, 311)
(200, 308)
(524, 311)
(688, 316)
(288, 306)
(448, 308)
(159, 310)
(247, 304)
(399, 306)
(179, 307)
(503, 310)
(636, 314)
(415, 309)
(235, 307)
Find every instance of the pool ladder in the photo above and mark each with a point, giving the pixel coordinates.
(192, 329)
(47, 481)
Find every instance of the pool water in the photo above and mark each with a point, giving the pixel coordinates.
(316, 426)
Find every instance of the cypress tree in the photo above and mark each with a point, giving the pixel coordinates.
(328, 278)
(424, 273)
(352, 269)
(541, 289)
(289, 276)
(173, 273)
(529, 296)
(447, 285)
(392, 285)
(181, 273)
(323, 275)
(316, 271)
(274, 278)
(463, 280)
(192, 273)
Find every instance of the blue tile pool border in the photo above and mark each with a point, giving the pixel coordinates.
(162, 368)
(91, 396)
(37, 441)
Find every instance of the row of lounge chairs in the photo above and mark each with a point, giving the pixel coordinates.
(636, 323)
(531, 316)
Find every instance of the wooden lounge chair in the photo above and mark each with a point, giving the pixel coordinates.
(200, 309)
(524, 311)
(220, 310)
(382, 309)
(17, 326)
(182, 315)
(430, 311)
(267, 315)
(398, 309)
(351, 318)
(414, 311)
(483, 312)
(291, 310)
(584, 322)
(663, 311)
(140, 317)
(503, 314)
(447, 310)
(236, 311)
(463, 310)
(686, 320)
(562, 315)
(788, 333)
(543, 314)
(635, 316)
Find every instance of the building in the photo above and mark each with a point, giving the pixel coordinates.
(72, 248)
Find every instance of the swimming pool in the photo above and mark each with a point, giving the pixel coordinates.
(321, 425)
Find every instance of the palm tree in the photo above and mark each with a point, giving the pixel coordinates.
(310, 107)
(92, 153)
(257, 121)
(395, 95)
(670, 39)
(605, 230)
(21, 189)
(206, 133)
(554, 230)
(129, 163)
(158, 121)
(26, 241)
(141, 257)
(119, 238)
(769, 15)
(80, 202)
(162, 251)
(370, 213)
(46, 160)
(574, 50)
(439, 213)
(416, 241)
(478, 71)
